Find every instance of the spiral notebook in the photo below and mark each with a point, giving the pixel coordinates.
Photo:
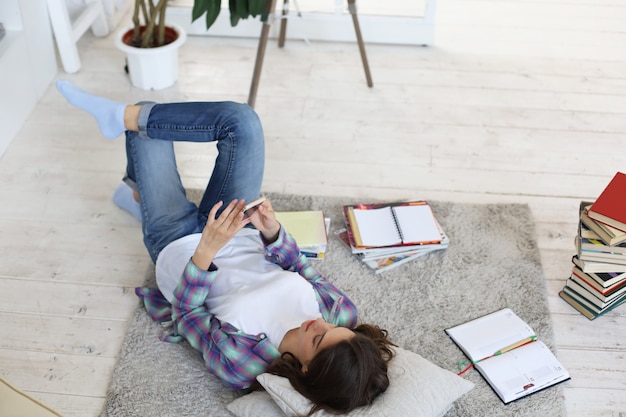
(396, 224)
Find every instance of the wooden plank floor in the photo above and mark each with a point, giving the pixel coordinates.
(518, 101)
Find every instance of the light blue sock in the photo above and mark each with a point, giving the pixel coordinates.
(123, 197)
(109, 114)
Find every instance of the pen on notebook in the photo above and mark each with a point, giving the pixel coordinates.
(516, 345)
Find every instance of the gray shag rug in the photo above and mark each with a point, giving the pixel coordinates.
(492, 262)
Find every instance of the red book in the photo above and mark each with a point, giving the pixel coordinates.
(610, 207)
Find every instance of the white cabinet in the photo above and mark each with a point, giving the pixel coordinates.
(27, 63)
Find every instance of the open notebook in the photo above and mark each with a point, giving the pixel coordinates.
(398, 224)
(506, 352)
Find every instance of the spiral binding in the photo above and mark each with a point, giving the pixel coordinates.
(397, 224)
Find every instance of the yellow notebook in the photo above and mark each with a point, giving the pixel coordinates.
(308, 228)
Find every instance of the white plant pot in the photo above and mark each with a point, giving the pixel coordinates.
(152, 68)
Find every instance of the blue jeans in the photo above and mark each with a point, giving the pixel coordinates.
(151, 169)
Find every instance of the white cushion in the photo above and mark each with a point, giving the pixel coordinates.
(257, 404)
(417, 387)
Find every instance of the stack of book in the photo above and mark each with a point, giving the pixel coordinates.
(598, 280)
(386, 235)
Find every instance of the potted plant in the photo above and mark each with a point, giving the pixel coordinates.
(151, 46)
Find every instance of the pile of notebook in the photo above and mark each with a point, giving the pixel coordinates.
(598, 280)
(386, 235)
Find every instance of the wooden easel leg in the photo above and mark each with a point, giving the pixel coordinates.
(260, 53)
(283, 24)
(359, 38)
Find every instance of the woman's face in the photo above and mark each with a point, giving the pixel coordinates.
(315, 335)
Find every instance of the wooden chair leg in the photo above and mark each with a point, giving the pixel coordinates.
(260, 53)
(359, 38)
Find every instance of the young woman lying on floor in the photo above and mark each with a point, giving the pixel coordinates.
(236, 287)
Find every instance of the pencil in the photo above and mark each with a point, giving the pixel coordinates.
(516, 345)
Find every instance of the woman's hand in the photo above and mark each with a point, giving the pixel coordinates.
(264, 219)
(218, 231)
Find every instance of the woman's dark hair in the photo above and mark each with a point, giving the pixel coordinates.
(342, 377)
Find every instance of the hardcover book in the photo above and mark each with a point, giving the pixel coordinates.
(506, 352)
(586, 253)
(584, 307)
(604, 282)
(596, 245)
(610, 206)
(583, 288)
(610, 235)
(592, 304)
(595, 288)
(585, 232)
(597, 266)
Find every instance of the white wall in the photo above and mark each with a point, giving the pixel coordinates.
(326, 20)
(27, 63)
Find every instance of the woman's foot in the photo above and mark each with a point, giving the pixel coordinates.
(109, 114)
(124, 197)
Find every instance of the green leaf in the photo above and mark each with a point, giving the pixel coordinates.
(212, 12)
(242, 9)
(234, 17)
(199, 8)
(258, 8)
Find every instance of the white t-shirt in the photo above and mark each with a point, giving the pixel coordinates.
(249, 292)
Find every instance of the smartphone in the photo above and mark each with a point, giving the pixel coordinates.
(249, 208)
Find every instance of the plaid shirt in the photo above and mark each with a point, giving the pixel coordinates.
(234, 357)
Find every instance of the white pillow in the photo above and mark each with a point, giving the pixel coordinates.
(417, 387)
(255, 404)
